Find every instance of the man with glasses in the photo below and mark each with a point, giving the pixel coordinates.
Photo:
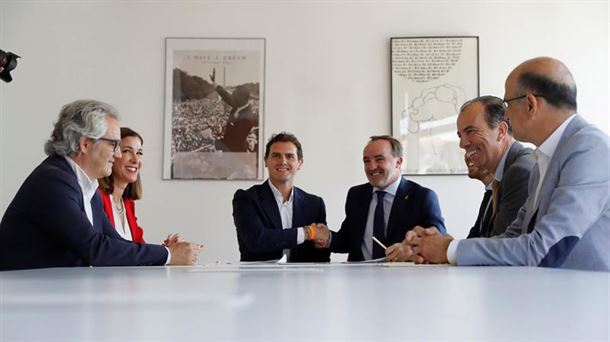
(487, 138)
(56, 217)
(568, 204)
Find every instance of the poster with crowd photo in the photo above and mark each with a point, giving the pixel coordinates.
(431, 78)
(214, 108)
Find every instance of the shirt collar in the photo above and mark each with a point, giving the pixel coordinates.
(548, 147)
(489, 186)
(87, 185)
(500, 168)
(392, 188)
(278, 195)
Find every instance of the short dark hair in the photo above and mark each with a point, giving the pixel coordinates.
(494, 110)
(284, 137)
(557, 94)
(396, 145)
(133, 190)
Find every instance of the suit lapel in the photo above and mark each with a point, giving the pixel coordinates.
(363, 212)
(95, 205)
(511, 156)
(399, 207)
(534, 179)
(552, 170)
(297, 205)
(486, 211)
(550, 177)
(270, 206)
(62, 163)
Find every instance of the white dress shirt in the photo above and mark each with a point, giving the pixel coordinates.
(286, 211)
(87, 185)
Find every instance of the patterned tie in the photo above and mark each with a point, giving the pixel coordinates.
(379, 226)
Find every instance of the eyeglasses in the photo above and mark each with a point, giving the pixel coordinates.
(113, 142)
(506, 101)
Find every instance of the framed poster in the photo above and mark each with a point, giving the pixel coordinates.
(431, 78)
(214, 108)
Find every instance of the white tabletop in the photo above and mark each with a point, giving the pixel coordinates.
(271, 302)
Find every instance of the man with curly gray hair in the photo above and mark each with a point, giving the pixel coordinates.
(56, 218)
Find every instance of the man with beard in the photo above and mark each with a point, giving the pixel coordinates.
(385, 208)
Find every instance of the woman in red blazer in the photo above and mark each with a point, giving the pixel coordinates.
(123, 187)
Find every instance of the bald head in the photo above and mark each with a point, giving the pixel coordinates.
(547, 77)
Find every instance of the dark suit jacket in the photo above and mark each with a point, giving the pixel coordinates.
(483, 219)
(512, 192)
(413, 206)
(137, 233)
(259, 225)
(46, 226)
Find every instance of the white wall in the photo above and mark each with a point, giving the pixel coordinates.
(327, 77)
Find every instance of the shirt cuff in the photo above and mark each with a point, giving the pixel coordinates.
(300, 236)
(451, 251)
(169, 256)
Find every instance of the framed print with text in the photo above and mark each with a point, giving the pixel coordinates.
(431, 78)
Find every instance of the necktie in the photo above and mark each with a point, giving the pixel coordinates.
(379, 226)
(495, 189)
(486, 213)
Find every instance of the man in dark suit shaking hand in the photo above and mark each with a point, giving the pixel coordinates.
(276, 218)
(385, 208)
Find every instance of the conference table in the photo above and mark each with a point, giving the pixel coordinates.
(306, 302)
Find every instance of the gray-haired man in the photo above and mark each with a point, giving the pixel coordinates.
(56, 218)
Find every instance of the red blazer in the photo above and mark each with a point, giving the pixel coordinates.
(137, 234)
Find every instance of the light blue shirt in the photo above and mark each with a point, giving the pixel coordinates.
(500, 168)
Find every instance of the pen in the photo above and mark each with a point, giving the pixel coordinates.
(379, 243)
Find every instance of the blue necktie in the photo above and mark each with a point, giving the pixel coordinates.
(379, 227)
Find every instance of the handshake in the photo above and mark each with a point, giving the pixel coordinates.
(422, 246)
(319, 234)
